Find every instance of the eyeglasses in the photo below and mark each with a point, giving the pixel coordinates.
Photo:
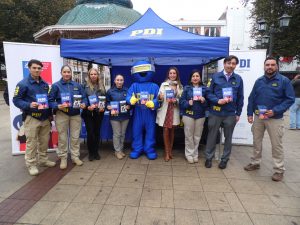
(36, 68)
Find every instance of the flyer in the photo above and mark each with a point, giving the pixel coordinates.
(144, 97)
(66, 99)
(93, 100)
(42, 100)
(197, 93)
(114, 108)
(227, 94)
(77, 101)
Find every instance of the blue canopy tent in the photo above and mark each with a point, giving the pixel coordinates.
(149, 37)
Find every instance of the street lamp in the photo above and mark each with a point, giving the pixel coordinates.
(284, 21)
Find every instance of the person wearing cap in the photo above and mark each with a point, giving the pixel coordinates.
(37, 123)
(142, 96)
(168, 113)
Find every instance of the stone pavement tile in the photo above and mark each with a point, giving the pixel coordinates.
(111, 166)
(245, 186)
(38, 212)
(230, 218)
(187, 183)
(179, 160)
(167, 199)
(80, 213)
(236, 173)
(159, 161)
(258, 204)
(130, 180)
(186, 217)
(110, 215)
(216, 185)
(293, 220)
(62, 193)
(103, 179)
(186, 171)
(263, 219)
(275, 188)
(295, 187)
(290, 211)
(205, 218)
(159, 170)
(158, 182)
(292, 176)
(217, 201)
(151, 198)
(134, 168)
(77, 178)
(88, 166)
(151, 216)
(129, 216)
(286, 201)
(190, 200)
(55, 213)
(138, 161)
(213, 172)
(125, 196)
(234, 202)
(87, 194)
(263, 173)
(102, 195)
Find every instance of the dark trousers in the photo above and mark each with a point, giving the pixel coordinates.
(214, 124)
(93, 123)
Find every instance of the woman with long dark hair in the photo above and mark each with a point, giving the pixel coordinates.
(168, 114)
(193, 106)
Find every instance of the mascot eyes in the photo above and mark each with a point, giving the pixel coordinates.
(143, 74)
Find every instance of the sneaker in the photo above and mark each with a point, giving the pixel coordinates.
(208, 163)
(63, 164)
(97, 157)
(119, 155)
(277, 177)
(91, 157)
(33, 170)
(191, 161)
(48, 163)
(196, 160)
(251, 167)
(77, 161)
(223, 165)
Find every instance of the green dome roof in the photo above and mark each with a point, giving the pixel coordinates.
(117, 12)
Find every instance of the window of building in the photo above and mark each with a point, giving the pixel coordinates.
(212, 31)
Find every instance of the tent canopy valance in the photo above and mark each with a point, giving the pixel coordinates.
(148, 38)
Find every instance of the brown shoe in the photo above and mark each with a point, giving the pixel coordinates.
(277, 177)
(251, 167)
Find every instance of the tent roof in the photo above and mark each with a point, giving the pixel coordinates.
(150, 38)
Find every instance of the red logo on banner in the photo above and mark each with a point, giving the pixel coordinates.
(46, 73)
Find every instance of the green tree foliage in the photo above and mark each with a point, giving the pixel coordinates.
(286, 41)
(20, 19)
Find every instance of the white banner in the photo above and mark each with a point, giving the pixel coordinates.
(17, 56)
(251, 66)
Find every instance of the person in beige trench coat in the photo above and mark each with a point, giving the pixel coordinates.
(168, 114)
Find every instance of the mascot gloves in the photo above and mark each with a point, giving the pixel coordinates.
(133, 100)
(150, 104)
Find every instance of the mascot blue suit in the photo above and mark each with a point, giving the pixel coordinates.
(142, 94)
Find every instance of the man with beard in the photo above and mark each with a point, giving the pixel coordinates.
(271, 96)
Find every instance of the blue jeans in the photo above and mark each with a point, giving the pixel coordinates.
(295, 114)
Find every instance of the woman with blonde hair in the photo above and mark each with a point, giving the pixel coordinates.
(94, 112)
(168, 114)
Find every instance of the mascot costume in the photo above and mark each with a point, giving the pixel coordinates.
(142, 94)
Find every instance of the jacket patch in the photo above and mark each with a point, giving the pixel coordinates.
(17, 91)
(274, 84)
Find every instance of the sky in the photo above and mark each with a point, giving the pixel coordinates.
(186, 9)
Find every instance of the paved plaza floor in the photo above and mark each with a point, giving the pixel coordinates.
(143, 192)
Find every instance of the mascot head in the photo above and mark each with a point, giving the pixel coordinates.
(142, 71)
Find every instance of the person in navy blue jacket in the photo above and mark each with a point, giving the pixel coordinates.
(271, 96)
(226, 100)
(193, 105)
(116, 99)
(93, 113)
(67, 97)
(36, 124)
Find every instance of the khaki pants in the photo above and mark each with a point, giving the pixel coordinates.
(192, 131)
(68, 126)
(275, 129)
(37, 137)
(119, 130)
